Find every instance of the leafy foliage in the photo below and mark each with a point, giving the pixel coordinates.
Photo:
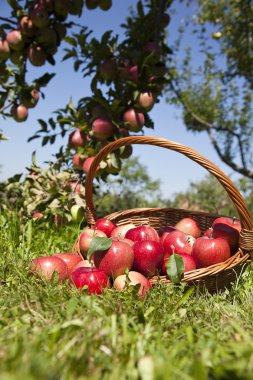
(216, 94)
(209, 196)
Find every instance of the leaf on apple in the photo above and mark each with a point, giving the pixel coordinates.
(98, 244)
(175, 268)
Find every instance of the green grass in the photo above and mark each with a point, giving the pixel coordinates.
(50, 331)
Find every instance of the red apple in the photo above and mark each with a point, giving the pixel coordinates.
(87, 164)
(133, 73)
(105, 225)
(120, 231)
(153, 47)
(165, 19)
(4, 50)
(61, 8)
(228, 229)
(121, 283)
(189, 226)
(91, 4)
(26, 27)
(108, 69)
(148, 257)
(75, 187)
(15, 40)
(47, 265)
(46, 38)
(47, 4)
(125, 240)
(146, 100)
(208, 232)
(19, 113)
(76, 7)
(83, 264)
(77, 139)
(70, 259)
(86, 238)
(167, 228)
(39, 16)
(133, 120)
(116, 260)
(142, 233)
(189, 263)
(78, 161)
(102, 128)
(177, 242)
(95, 279)
(36, 55)
(30, 100)
(105, 4)
(209, 251)
(37, 215)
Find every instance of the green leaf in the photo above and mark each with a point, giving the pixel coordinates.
(34, 158)
(44, 80)
(175, 268)
(14, 4)
(98, 244)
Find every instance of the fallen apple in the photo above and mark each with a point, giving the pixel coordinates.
(123, 281)
(45, 267)
(93, 278)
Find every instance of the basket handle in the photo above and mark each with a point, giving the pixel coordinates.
(228, 185)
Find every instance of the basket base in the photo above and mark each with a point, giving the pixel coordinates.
(212, 283)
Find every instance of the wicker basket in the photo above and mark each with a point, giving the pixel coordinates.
(214, 278)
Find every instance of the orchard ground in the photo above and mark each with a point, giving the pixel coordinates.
(51, 331)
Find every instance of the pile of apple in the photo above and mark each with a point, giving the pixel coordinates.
(127, 255)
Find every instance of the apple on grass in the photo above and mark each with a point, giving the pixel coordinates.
(177, 242)
(209, 251)
(83, 264)
(71, 259)
(123, 281)
(105, 225)
(94, 279)
(229, 229)
(45, 267)
(148, 257)
(189, 226)
(142, 233)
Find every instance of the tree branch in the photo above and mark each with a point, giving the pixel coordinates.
(209, 128)
(6, 106)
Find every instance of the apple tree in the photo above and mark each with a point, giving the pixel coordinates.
(127, 78)
(215, 91)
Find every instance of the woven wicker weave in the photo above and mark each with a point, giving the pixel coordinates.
(214, 278)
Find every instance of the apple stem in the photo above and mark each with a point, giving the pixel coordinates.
(173, 249)
(211, 232)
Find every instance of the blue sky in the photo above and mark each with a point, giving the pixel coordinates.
(174, 170)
